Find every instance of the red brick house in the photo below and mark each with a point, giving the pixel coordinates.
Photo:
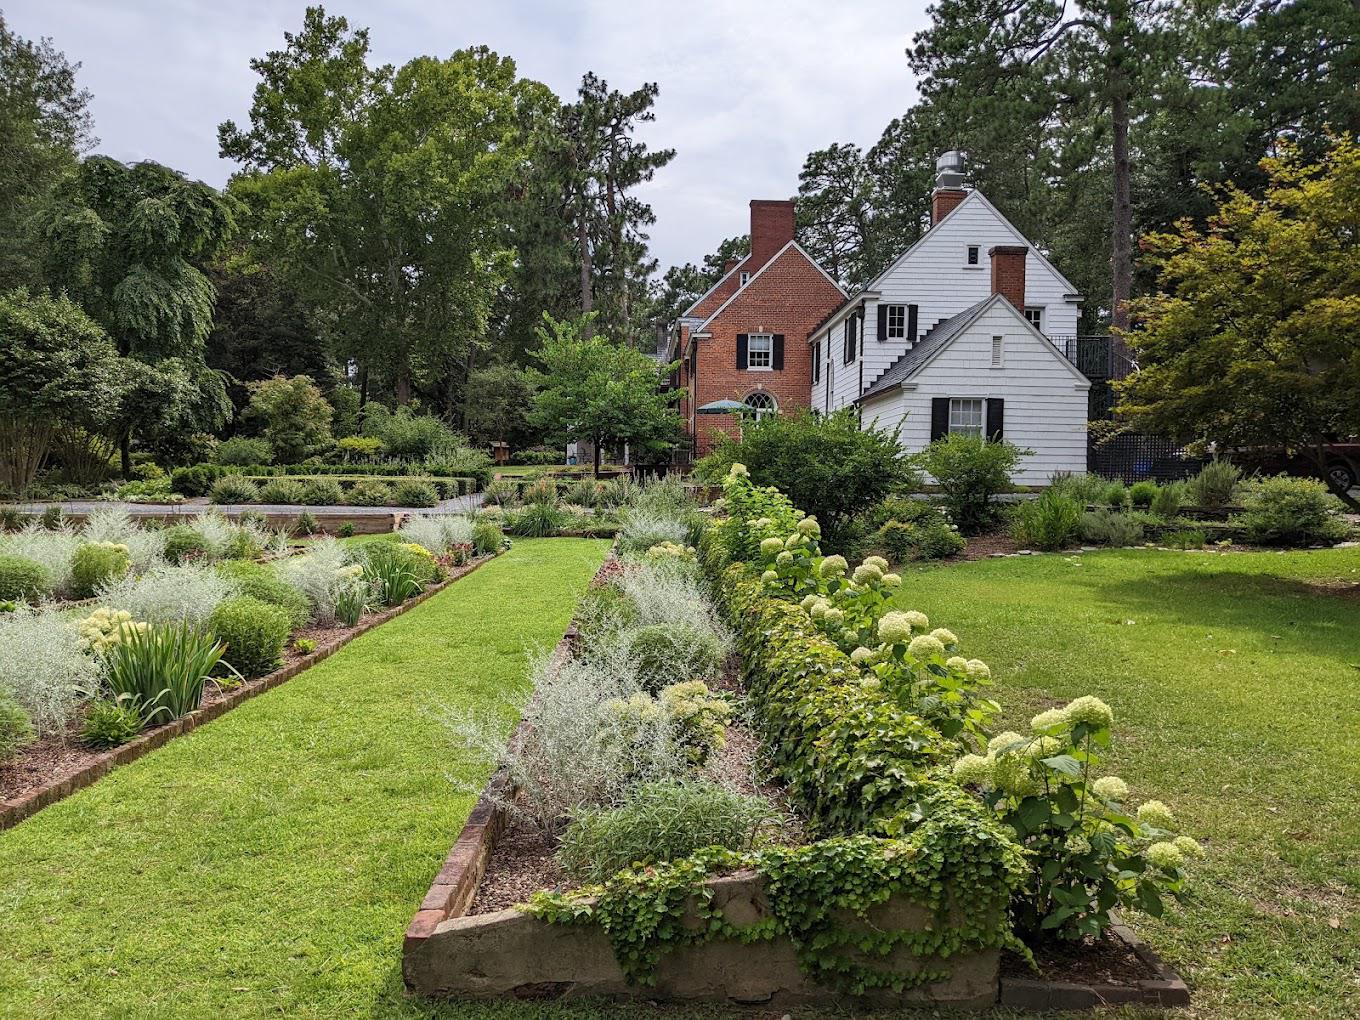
(744, 340)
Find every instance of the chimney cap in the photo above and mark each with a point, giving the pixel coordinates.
(1007, 249)
(949, 161)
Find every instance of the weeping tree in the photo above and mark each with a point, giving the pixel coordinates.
(58, 371)
(125, 242)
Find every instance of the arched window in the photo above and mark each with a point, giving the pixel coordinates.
(760, 404)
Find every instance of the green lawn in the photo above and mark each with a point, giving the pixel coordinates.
(267, 864)
(1235, 681)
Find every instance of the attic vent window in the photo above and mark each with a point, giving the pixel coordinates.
(743, 278)
(974, 254)
(997, 343)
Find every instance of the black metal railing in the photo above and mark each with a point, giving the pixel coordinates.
(1098, 357)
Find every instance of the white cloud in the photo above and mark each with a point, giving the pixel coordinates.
(747, 89)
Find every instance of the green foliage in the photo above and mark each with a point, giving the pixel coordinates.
(304, 646)
(971, 472)
(262, 581)
(184, 543)
(110, 722)
(1141, 494)
(1050, 521)
(498, 400)
(22, 579)
(369, 493)
(193, 481)
(596, 389)
(536, 520)
(1215, 484)
(912, 529)
(1085, 489)
(345, 530)
(52, 518)
(821, 896)
(668, 653)
(660, 822)
(487, 537)
(15, 728)
(281, 491)
(414, 493)
(160, 671)
(408, 435)
(97, 563)
(306, 523)
(293, 416)
(394, 572)
(253, 632)
(1191, 538)
(825, 464)
(1166, 504)
(1289, 511)
(1092, 854)
(541, 490)
(1108, 527)
(322, 492)
(359, 447)
(501, 492)
(234, 489)
(1116, 496)
(243, 451)
(57, 369)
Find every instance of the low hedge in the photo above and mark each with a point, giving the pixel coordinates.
(198, 479)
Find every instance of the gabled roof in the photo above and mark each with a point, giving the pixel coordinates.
(700, 299)
(757, 274)
(973, 195)
(925, 350)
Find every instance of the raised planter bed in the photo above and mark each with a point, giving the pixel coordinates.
(1126, 973)
(78, 768)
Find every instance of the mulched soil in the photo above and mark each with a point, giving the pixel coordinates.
(1105, 961)
(982, 546)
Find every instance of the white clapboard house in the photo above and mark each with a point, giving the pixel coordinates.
(953, 337)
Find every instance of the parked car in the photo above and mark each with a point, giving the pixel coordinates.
(1341, 470)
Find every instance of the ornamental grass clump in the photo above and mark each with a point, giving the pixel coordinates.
(536, 520)
(1050, 521)
(440, 534)
(160, 672)
(44, 667)
(395, 572)
(1092, 853)
(644, 528)
(660, 822)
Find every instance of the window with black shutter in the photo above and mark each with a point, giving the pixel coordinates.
(996, 419)
(913, 322)
(939, 418)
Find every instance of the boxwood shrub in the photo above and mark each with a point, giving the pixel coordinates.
(22, 578)
(97, 563)
(184, 543)
(254, 632)
(286, 491)
(261, 581)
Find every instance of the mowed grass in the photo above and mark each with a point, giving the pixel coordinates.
(267, 864)
(1235, 681)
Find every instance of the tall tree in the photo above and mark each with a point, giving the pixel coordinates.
(1095, 57)
(836, 211)
(377, 191)
(125, 241)
(683, 285)
(1253, 337)
(44, 126)
(602, 162)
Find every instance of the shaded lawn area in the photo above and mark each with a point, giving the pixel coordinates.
(1235, 681)
(268, 863)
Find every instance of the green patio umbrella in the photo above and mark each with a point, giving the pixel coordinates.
(722, 407)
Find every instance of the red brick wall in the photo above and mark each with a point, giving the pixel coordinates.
(943, 201)
(791, 297)
(1008, 272)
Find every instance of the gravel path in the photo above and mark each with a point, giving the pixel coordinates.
(194, 507)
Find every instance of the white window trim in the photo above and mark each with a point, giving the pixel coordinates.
(1035, 308)
(743, 279)
(998, 352)
(968, 430)
(901, 333)
(751, 338)
(759, 413)
(972, 265)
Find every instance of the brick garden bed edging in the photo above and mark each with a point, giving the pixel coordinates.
(15, 810)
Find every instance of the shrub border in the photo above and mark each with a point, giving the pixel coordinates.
(15, 810)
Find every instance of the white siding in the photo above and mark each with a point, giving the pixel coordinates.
(936, 278)
(1045, 402)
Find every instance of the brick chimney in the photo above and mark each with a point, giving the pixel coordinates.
(949, 190)
(771, 229)
(1008, 272)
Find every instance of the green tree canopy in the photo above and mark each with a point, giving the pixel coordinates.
(292, 415)
(499, 401)
(594, 389)
(57, 369)
(1253, 337)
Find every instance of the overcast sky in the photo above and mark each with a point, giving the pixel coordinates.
(747, 88)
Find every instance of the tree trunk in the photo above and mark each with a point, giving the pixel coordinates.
(363, 395)
(125, 453)
(583, 242)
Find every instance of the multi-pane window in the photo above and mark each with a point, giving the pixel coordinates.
(965, 416)
(743, 279)
(760, 351)
(897, 321)
(1035, 317)
(760, 404)
(974, 255)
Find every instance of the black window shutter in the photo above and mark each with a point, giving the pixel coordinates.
(847, 351)
(996, 419)
(912, 323)
(939, 418)
(882, 323)
(741, 350)
(778, 356)
(817, 361)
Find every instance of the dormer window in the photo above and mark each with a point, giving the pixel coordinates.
(743, 279)
(974, 255)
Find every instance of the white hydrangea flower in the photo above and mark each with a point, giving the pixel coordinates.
(917, 619)
(770, 576)
(1049, 719)
(867, 573)
(1091, 711)
(1156, 814)
(925, 646)
(1110, 788)
(945, 637)
(1004, 740)
(978, 669)
(772, 546)
(784, 558)
(894, 628)
(876, 561)
(738, 471)
(1166, 856)
(974, 770)
(861, 655)
(833, 566)
(957, 662)
(808, 526)
(892, 580)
